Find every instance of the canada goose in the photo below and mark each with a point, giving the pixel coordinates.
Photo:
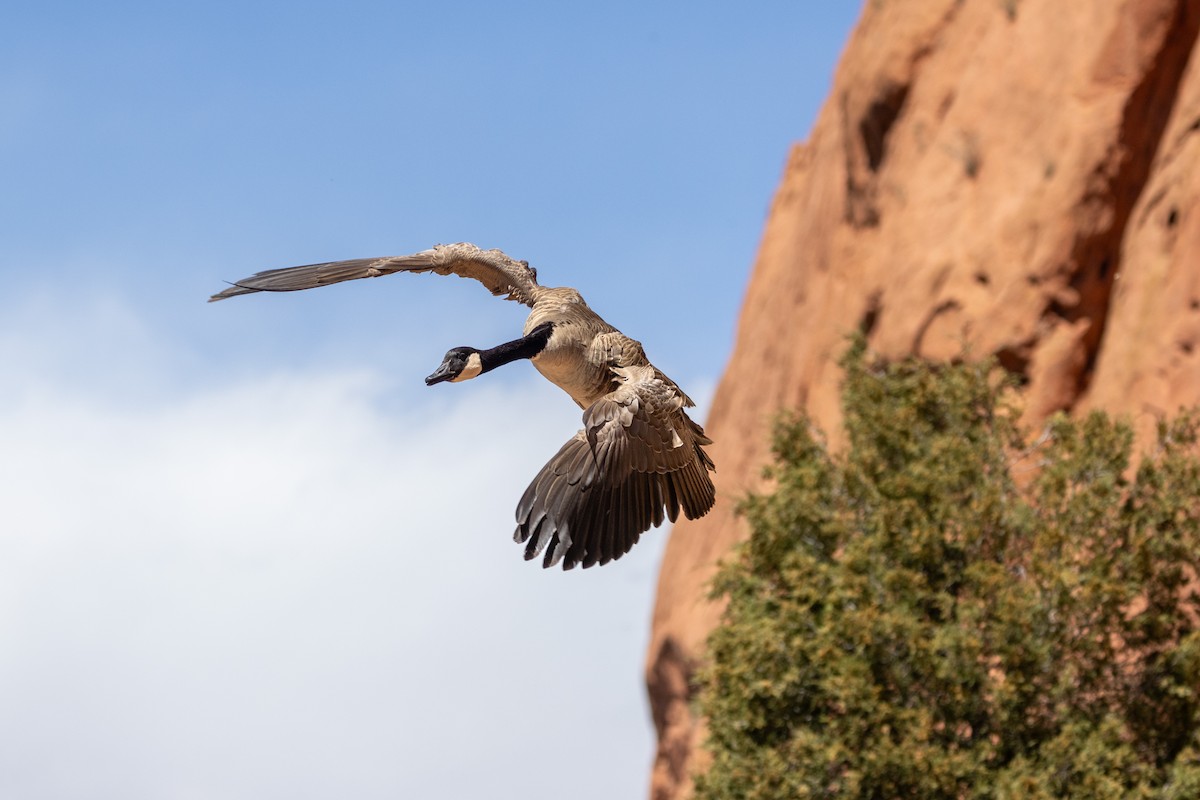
(639, 458)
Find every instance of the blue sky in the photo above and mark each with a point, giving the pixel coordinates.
(244, 551)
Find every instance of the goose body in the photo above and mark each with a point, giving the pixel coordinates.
(639, 459)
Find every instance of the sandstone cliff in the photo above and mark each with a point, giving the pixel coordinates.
(1017, 175)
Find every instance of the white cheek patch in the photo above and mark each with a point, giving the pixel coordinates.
(473, 368)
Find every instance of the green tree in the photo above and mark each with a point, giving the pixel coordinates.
(945, 611)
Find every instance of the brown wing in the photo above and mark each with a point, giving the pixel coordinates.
(617, 348)
(637, 461)
(499, 273)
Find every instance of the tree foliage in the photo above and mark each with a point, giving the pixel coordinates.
(946, 611)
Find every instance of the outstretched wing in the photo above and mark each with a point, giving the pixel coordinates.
(637, 461)
(499, 273)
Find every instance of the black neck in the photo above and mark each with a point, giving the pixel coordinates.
(525, 347)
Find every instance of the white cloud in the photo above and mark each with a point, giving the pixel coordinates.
(294, 585)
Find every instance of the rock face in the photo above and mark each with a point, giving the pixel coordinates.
(1017, 176)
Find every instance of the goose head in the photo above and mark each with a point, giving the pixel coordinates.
(459, 364)
(464, 363)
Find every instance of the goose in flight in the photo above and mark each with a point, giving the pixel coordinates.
(639, 458)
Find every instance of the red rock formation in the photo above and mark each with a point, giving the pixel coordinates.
(1020, 176)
